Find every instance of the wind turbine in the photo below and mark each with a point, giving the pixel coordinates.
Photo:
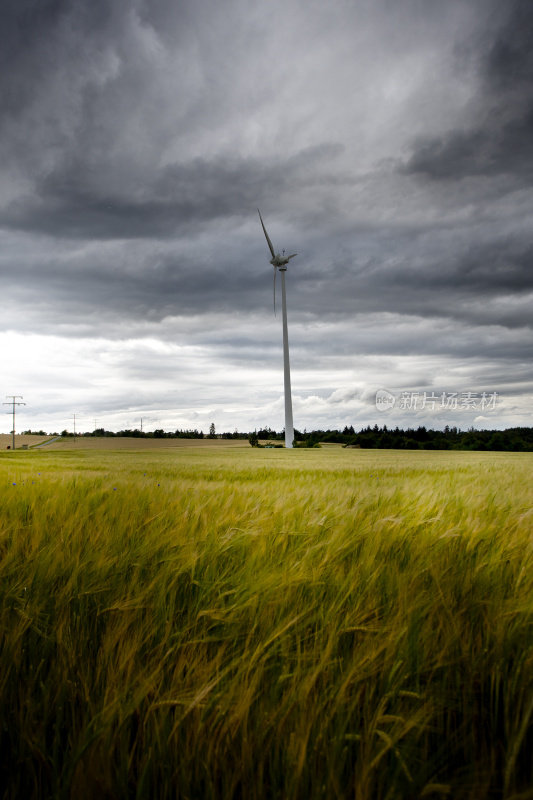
(279, 262)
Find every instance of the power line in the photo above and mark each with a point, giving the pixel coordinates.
(14, 403)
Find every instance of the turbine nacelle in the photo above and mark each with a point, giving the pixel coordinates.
(278, 260)
(281, 261)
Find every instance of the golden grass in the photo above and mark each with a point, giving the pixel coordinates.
(227, 622)
(113, 443)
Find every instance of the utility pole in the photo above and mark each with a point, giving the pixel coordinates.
(74, 428)
(14, 402)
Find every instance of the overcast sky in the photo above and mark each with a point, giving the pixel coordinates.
(388, 142)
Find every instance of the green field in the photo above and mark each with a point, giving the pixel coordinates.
(223, 622)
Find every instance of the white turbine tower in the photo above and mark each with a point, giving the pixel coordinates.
(280, 262)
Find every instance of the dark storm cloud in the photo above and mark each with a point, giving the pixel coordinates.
(491, 150)
(28, 30)
(95, 93)
(43, 45)
(81, 104)
(69, 202)
(468, 275)
(501, 140)
(509, 62)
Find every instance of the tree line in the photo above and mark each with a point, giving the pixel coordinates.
(421, 438)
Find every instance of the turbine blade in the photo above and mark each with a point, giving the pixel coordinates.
(289, 257)
(266, 235)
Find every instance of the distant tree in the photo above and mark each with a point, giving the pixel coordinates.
(212, 433)
(253, 438)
